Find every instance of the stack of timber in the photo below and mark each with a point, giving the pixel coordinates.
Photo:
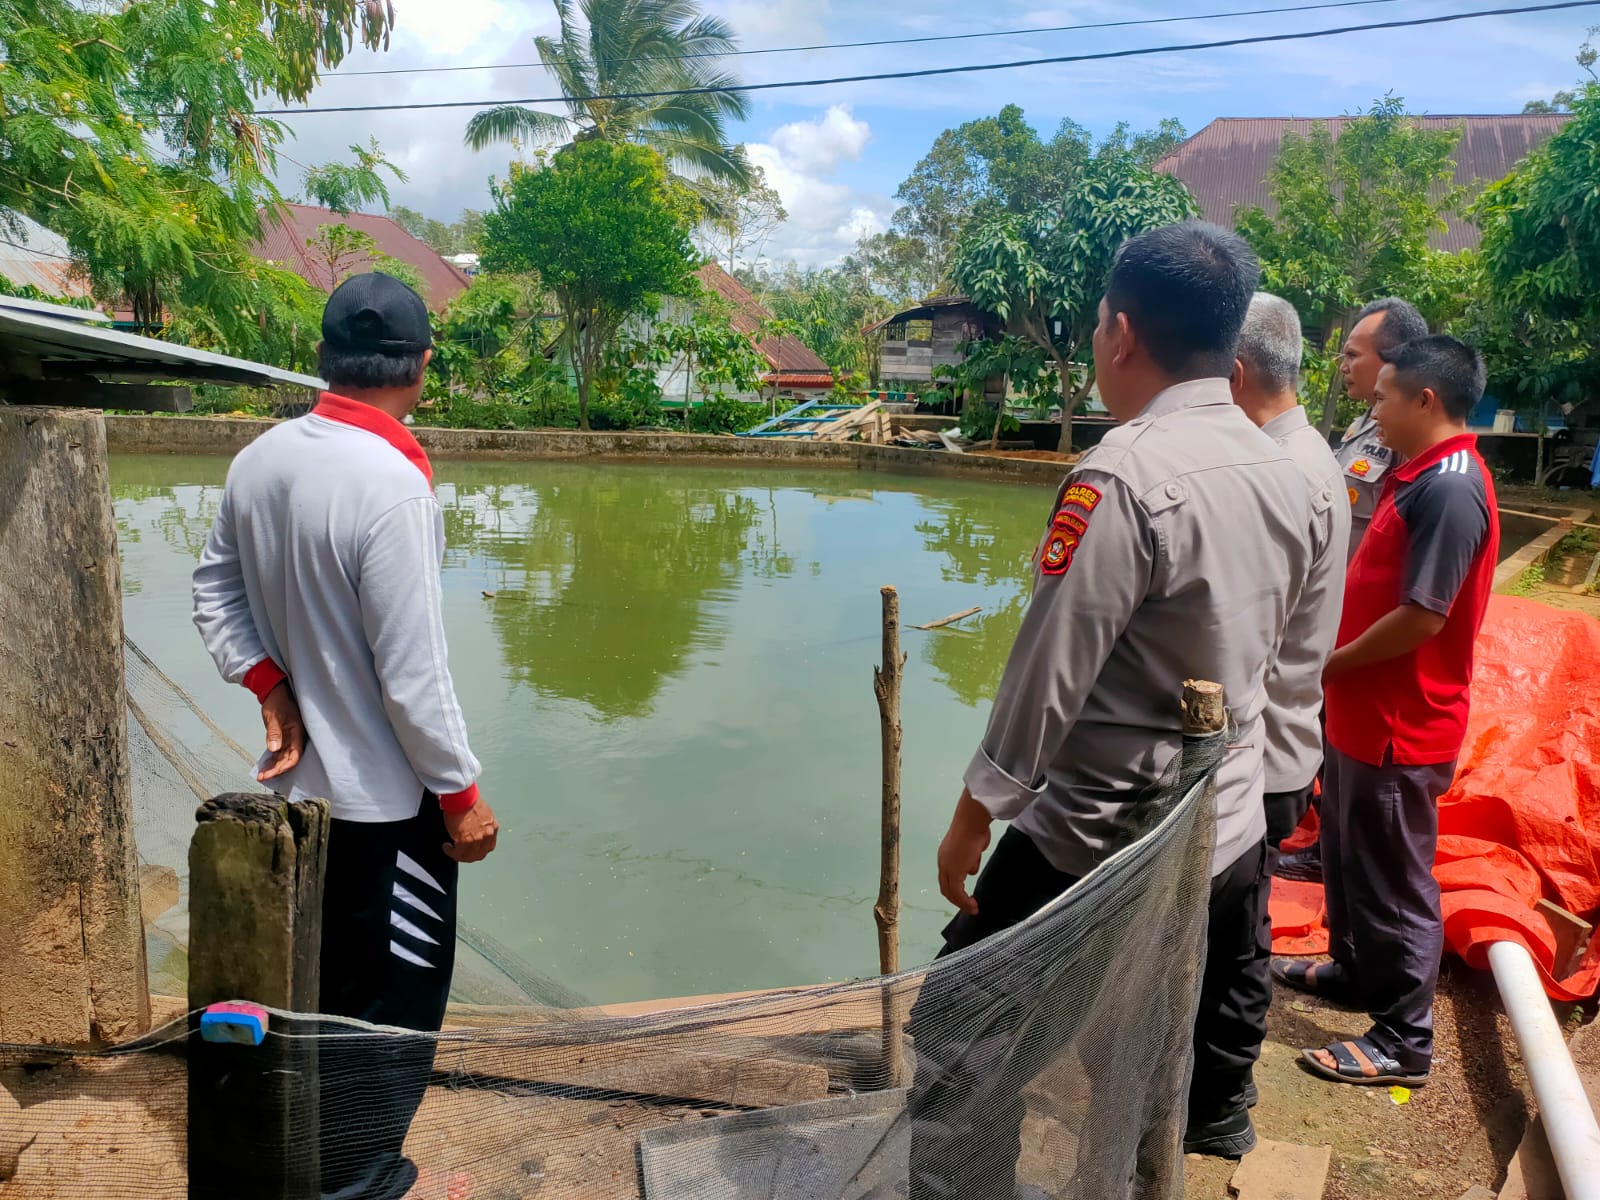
(828, 423)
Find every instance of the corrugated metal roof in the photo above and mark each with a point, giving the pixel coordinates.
(28, 333)
(289, 228)
(1225, 164)
(788, 356)
(923, 311)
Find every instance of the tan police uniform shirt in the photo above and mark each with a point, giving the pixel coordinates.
(1177, 550)
(1366, 462)
(1294, 686)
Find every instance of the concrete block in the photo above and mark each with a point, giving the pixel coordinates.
(1282, 1171)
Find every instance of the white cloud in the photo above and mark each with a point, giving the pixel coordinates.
(826, 217)
(818, 147)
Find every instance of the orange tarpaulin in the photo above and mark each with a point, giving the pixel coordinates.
(1522, 820)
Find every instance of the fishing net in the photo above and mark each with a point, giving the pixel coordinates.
(179, 757)
(1050, 1060)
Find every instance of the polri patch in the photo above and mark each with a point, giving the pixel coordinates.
(1361, 467)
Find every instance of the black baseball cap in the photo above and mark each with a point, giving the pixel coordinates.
(376, 313)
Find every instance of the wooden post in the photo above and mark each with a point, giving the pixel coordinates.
(886, 687)
(72, 964)
(1204, 710)
(256, 866)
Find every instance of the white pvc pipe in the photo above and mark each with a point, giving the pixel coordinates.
(1564, 1107)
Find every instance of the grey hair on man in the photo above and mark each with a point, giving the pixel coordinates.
(1270, 344)
(1401, 322)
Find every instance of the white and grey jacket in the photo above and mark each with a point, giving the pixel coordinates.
(324, 565)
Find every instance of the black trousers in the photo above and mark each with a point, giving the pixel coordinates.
(1235, 991)
(965, 1125)
(1379, 833)
(388, 952)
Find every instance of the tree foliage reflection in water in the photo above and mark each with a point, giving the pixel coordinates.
(610, 578)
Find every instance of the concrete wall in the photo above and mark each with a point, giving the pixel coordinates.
(229, 435)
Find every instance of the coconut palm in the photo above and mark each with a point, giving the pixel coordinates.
(667, 48)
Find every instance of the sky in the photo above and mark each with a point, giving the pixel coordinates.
(836, 154)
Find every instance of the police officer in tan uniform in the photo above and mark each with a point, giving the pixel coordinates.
(1185, 520)
(1380, 328)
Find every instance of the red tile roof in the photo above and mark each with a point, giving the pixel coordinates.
(286, 231)
(1225, 164)
(795, 363)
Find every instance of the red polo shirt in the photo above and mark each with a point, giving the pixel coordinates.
(1433, 542)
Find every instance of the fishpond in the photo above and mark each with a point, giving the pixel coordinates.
(667, 674)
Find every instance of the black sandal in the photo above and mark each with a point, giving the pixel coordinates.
(1362, 1064)
(1324, 980)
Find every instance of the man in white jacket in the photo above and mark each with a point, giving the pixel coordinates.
(319, 591)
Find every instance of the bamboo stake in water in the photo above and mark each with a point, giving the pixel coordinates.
(886, 686)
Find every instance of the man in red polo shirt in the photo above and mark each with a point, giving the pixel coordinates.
(1396, 692)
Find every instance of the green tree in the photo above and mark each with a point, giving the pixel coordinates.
(606, 231)
(624, 47)
(488, 338)
(1043, 272)
(1564, 100)
(131, 130)
(359, 184)
(464, 236)
(1352, 220)
(711, 353)
(830, 310)
(1539, 321)
(993, 164)
(739, 220)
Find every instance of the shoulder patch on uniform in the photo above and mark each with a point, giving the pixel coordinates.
(1360, 467)
(1067, 526)
(1082, 495)
(1355, 497)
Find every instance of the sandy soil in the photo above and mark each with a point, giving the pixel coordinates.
(1459, 1131)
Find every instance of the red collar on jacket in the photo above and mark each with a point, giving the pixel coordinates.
(346, 411)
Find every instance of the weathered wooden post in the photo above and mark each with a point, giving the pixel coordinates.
(256, 866)
(886, 687)
(72, 963)
(1205, 714)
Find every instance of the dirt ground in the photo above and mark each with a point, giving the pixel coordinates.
(1560, 583)
(1459, 1131)
(112, 1127)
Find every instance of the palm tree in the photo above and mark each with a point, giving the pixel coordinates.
(663, 47)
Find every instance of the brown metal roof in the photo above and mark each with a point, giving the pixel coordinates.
(287, 230)
(1225, 164)
(788, 356)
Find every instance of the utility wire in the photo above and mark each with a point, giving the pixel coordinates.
(966, 69)
(903, 41)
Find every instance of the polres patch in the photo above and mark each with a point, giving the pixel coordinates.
(1082, 495)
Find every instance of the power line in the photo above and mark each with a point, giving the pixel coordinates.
(906, 41)
(967, 69)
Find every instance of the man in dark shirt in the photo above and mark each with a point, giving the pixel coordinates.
(1397, 697)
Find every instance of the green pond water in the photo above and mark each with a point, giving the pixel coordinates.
(671, 695)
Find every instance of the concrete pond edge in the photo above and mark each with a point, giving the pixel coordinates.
(229, 435)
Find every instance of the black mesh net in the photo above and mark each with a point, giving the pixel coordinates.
(1050, 1060)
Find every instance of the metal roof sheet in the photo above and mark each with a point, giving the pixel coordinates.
(29, 333)
(1225, 165)
(286, 230)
